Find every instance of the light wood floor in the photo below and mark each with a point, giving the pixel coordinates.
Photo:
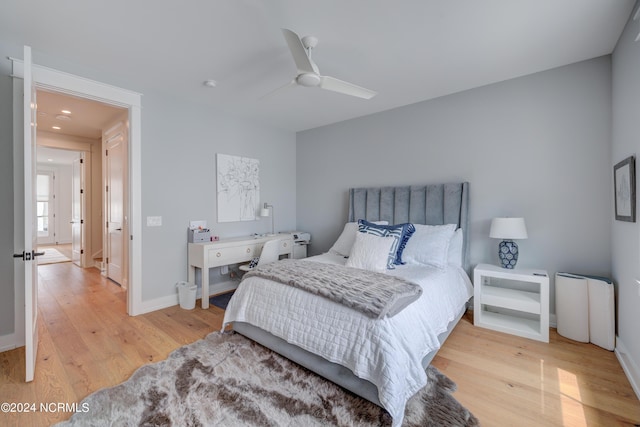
(87, 342)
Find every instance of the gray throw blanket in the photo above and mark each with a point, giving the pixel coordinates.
(374, 294)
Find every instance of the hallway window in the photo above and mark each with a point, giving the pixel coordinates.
(44, 184)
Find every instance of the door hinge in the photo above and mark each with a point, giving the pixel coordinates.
(107, 189)
(81, 191)
(106, 152)
(81, 160)
(81, 251)
(82, 221)
(107, 260)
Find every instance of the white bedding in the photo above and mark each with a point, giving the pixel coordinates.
(387, 352)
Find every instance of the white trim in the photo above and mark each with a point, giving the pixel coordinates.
(134, 302)
(10, 341)
(158, 304)
(629, 367)
(59, 81)
(171, 300)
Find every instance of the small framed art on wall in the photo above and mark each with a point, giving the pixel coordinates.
(624, 182)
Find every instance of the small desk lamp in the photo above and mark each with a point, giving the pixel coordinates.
(265, 212)
(508, 229)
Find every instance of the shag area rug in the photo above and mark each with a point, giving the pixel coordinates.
(228, 380)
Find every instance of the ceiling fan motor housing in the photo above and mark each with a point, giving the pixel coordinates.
(308, 79)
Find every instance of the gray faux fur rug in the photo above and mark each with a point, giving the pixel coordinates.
(228, 380)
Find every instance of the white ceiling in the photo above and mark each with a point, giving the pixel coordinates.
(408, 51)
(55, 156)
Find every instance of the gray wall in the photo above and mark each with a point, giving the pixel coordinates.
(7, 297)
(179, 142)
(626, 142)
(536, 146)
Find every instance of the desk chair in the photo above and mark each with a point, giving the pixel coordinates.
(270, 253)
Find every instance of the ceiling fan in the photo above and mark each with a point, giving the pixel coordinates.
(308, 73)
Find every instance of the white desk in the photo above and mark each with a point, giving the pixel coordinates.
(229, 251)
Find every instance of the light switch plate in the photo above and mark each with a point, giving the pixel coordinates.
(154, 221)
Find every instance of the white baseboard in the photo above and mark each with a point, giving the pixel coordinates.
(9, 342)
(628, 365)
(171, 300)
(158, 303)
(553, 321)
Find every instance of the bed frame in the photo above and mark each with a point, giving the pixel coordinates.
(428, 204)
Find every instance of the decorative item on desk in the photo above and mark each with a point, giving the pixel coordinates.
(508, 229)
(265, 212)
(198, 235)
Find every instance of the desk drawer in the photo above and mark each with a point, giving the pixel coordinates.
(231, 255)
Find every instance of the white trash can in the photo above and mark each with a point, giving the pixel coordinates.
(187, 295)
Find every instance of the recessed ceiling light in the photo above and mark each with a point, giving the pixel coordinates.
(56, 127)
(49, 160)
(210, 83)
(63, 117)
(66, 112)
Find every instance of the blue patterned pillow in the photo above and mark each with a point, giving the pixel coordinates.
(401, 232)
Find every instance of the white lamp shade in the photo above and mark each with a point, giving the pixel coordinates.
(265, 212)
(508, 228)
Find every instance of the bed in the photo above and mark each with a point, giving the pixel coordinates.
(381, 360)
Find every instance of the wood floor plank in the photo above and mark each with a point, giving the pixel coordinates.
(501, 377)
(87, 342)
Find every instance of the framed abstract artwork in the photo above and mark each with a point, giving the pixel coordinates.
(624, 182)
(238, 188)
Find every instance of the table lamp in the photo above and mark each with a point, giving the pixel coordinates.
(508, 229)
(264, 212)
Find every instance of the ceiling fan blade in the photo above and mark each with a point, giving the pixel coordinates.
(299, 53)
(273, 92)
(335, 85)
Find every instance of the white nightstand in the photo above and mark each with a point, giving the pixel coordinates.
(512, 301)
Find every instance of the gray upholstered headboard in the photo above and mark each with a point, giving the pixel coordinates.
(426, 204)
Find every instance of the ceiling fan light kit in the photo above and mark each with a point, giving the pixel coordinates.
(309, 74)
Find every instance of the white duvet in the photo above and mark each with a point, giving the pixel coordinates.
(387, 352)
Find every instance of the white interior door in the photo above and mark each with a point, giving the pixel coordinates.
(77, 204)
(114, 173)
(30, 234)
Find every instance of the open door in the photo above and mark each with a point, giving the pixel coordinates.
(77, 208)
(29, 254)
(115, 152)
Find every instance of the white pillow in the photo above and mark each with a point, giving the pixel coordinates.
(343, 245)
(455, 249)
(429, 245)
(370, 252)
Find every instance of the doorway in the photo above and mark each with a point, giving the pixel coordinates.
(64, 83)
(73, 135)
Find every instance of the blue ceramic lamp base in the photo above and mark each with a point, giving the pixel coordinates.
(508, 253)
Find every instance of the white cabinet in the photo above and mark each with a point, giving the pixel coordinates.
(512, 301)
